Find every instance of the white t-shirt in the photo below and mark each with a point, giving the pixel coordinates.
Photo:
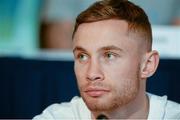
(160, 108)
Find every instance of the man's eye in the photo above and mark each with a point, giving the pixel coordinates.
(110, 55)
(82, 57)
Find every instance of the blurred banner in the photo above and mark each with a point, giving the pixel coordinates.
(166, 39)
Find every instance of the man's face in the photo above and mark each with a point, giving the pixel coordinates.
(107, 64)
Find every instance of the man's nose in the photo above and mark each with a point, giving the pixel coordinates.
(94, 71)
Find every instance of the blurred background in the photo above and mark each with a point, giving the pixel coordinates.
(37, 63)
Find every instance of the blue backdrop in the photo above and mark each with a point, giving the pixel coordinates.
(29, 85)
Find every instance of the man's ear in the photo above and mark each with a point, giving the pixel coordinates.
(150, 64)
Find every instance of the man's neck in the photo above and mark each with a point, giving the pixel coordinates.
(137, 109)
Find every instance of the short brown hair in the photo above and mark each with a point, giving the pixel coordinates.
(118, 9)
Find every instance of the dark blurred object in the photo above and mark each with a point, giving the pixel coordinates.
(101, 117)
(28, 86)
(57, 23)
(56, 35)
(176, 21)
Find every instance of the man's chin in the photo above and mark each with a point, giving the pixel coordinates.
(105, 103)
(97, 104)
(97, 107)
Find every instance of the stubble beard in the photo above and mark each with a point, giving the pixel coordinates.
(116, 99)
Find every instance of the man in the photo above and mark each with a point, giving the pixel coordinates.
(112, 43)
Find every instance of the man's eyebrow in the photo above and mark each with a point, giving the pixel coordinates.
(105, 48)
(111, 47)
(78, 48)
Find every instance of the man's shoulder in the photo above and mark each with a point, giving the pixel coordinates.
(63, 110)
(172, 110)
(162, 107)
(64, 107)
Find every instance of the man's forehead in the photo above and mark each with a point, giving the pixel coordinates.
(105, 25)
(104, 33)
(107, 22)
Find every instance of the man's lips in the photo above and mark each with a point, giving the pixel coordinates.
(96, 92)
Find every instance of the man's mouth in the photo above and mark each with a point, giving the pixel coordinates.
(96, 92)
